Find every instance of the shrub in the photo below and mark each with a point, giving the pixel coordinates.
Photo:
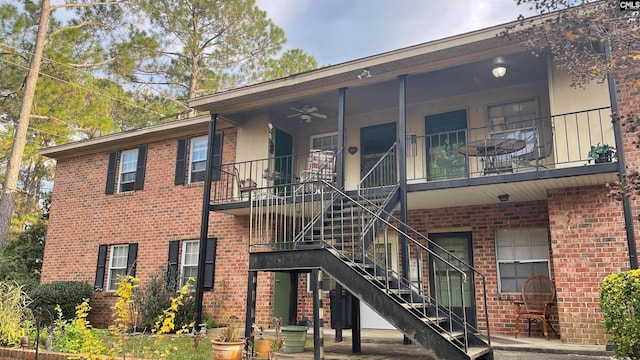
(16, 319)
(620, 304)
(67, 294)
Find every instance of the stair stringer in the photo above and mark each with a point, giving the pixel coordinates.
(420, 330)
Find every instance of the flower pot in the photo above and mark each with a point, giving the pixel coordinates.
(294, 338)
(227, 350)
(604, 158)
(263, 347)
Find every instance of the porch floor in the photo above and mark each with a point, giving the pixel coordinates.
(388, 344)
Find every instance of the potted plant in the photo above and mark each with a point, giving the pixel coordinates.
(601, 153)
(262, 345)
(228, 345)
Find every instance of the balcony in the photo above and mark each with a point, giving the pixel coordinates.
(526, 157)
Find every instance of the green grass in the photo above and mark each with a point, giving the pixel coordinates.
(180, 346)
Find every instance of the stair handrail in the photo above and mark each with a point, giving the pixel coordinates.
(406, 281)
(391, 151)
(450, 255)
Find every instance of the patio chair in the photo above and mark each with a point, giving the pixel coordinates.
(245, 186)
(538, 293)
(320, 166)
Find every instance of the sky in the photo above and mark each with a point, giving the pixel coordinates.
(335, 31)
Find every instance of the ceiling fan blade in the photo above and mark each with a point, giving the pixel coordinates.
(298, 110)
(321, 116)
(311, 109)
(293, 115)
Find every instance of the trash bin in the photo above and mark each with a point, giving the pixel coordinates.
(346, 309)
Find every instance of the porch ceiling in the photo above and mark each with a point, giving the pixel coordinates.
(374, 94)
(520, 191)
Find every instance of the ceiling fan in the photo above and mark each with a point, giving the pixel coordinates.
(306, 112)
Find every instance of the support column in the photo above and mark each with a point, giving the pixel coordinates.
(293, 297)
(402, 169)
(204, 223)
(342, 101)
(336, 312)
(250, 315)
(356, 338)
(318, 338)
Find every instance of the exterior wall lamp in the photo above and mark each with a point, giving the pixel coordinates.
(499, 70)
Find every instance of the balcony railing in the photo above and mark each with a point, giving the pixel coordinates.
(552, 142)
(540, 144)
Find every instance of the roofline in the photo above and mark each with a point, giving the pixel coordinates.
(114, 141)
(205, 101)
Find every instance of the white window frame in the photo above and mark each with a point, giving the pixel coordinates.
(535, 239)
(183, 260)
(192, 159)
(118, 268)
(324, 135)
(123, 171)
(328, 283)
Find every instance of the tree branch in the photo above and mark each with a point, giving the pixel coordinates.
(55, 7)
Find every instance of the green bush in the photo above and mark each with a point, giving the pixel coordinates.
(66, 294)
(620, 304)
(155, 296)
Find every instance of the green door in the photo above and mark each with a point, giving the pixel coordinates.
(283, 164)
(281, 294)
(448, 286)
(446, 132)
(375, 141)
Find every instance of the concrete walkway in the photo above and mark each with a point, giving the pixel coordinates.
(387, 344)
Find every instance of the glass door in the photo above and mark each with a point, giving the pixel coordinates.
(446, 133)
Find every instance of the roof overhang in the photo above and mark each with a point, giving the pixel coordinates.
(191, 126)
(430, 56)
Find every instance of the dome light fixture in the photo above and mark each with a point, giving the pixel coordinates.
(499, 70)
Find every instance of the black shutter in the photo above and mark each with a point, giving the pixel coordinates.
(181, 161)
(111, 173)
(210, 263)
(132, 257)
(216, 162)
(172, 265)
(140, 169)
(98, 284)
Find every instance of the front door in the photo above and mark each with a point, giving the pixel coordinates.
(283, 165)
(375, 141)
(446, 284)
(281, 295)
(445, 134)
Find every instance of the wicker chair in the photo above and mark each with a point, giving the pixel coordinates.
(538, 293)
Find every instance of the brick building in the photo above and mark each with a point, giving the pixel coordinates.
(452, 184)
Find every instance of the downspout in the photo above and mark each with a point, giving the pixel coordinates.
(622, 176)
(204, 225)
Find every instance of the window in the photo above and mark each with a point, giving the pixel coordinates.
(198, 159)
(128, 165)
(189, 261)
(513, 115)
(117, 265)
(195, 166)
(122, 261)
(521, 253)
(130, 171)
(328, 141)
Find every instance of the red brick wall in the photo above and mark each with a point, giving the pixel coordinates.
(588, 243)
(483, 221)
(82, 217)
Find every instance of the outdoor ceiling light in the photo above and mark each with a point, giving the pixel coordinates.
(503, 197)
(499, 70)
